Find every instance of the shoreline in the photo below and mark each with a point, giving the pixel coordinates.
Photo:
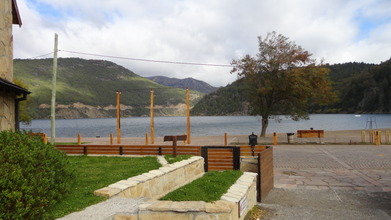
(330, 137)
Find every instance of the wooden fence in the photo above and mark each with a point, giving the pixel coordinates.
(216, 157)
(265, 181)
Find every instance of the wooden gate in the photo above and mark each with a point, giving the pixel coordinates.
(221, 158)
(265, 181)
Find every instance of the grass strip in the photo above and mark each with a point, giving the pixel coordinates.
(170, 159)
(208, 188)
(92, 173)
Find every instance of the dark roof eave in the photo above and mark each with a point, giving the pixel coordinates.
(15, 14)
(8, 86)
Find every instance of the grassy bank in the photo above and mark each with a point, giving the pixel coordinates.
(208, 188)
(92, 173)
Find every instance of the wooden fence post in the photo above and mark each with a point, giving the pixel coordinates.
(377, 137)
(111, 138)
(78, 139)
(371, 137)
(146, 138)
(387, 137)
(363, 136)
(225, 139)
(45, 138)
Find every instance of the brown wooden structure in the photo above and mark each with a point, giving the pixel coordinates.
(310, 133)
(215, 154)
(174, 139)
(265, 181)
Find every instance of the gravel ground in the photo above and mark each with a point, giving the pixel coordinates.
(107, 209)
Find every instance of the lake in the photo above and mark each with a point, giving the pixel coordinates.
(207, 125)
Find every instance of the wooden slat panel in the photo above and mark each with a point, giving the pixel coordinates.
(310, 133)
(266, 175)
(220, 158)
(102, 152)
(219, 168)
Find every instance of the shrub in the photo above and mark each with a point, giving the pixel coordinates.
(33, 176)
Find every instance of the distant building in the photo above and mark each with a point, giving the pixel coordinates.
(10, 94)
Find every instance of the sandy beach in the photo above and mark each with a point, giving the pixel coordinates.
(330, 137)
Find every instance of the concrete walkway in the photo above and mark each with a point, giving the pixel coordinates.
(330, 182)
(107, 209)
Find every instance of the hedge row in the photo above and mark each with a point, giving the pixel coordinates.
(33, 176)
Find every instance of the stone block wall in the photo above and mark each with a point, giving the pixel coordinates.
(6, 54)
(157, 183)
(7, 100)
(240, 198)
(7, 109)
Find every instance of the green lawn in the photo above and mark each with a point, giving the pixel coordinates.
(208, 188)
(170, 159)
(92, 173)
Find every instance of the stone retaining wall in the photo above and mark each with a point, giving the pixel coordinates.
(158, 182)
(240, 198)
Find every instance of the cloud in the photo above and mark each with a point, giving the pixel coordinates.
(203, 31)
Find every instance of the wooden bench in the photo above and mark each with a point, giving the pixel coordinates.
(310, 134)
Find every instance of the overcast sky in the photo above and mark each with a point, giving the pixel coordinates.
(202, 31)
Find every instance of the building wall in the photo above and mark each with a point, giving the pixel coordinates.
(7, 110)
(7, 100)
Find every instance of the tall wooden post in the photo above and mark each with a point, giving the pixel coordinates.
(225, 139)
(188, 114)
(53, 101)
(152, 120)
(118, 117)
(111, 138)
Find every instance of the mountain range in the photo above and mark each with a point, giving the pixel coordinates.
(87, 89)
(190, 83)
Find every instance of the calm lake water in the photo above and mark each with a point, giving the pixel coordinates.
(207, 125)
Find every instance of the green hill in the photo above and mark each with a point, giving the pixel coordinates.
(228, 100)
(87, 88)
(361, 88)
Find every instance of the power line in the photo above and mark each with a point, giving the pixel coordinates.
(43, 55)
(149, 60)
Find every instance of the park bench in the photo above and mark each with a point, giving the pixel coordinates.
(310, 134)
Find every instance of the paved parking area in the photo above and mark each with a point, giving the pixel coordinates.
(330, 182)
(348, 167)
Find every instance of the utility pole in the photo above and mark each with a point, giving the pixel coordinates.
(53, 103)
(188, 114)
(152, 120)
(118, 117)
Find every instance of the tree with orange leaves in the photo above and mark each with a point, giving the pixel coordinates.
(283, 79)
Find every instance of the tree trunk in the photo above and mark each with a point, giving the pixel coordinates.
(265, 123)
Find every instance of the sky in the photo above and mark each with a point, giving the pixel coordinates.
(201, 31)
